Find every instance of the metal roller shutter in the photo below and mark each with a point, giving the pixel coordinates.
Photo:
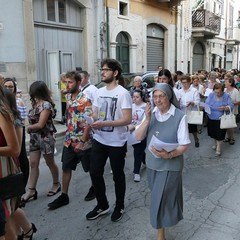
(154, 53)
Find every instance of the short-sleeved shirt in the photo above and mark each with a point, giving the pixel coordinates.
(138, 113)
(235, 96)
(42, 139)
(110, 104)
(34, 115)
(21, 108)
(75, 117)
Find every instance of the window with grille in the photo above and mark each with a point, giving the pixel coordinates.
(123, 8)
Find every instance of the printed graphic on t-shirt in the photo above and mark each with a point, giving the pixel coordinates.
(107, 108)
(137, 116)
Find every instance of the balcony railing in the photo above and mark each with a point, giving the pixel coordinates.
(171, 2)
(207, 22)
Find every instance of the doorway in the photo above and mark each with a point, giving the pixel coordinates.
(122, 51)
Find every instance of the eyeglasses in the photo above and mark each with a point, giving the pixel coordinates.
(105, 69)
(159, 97)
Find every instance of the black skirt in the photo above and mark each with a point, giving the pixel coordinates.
(214, 130)
(192, 128)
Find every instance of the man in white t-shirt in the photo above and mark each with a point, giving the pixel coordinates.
(86, 87)
(90, 90)
(112, 115)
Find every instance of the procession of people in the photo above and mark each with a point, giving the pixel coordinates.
(100, 124)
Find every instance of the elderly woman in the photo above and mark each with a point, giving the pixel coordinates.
(212, 80)
(137, 85)
(189, 100)
(218, 101)
(235, 96)
(197, 85)
(169, 124)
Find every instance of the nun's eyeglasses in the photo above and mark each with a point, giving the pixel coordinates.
(163, 96)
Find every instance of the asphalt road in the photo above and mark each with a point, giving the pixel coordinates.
(211, 201)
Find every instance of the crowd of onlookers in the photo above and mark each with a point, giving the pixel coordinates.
(99, 123)
(190, 90)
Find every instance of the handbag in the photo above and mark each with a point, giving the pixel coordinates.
(195, 117)
(228, 120)
(12, 185)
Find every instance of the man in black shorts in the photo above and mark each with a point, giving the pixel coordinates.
(77, 141)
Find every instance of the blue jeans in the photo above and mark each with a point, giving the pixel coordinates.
(99, 156)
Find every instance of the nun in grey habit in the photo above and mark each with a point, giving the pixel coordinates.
(167, 123)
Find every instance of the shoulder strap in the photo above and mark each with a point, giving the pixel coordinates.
(85, 87)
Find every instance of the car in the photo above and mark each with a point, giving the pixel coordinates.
(128, 79)
(148, 79)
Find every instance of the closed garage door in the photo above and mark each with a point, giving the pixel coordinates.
(155, 47)
(154, 53)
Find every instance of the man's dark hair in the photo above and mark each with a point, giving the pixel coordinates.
(179, 73)
(74, 75)
(121, 80)
(79, 69)
(85, 73)
(113, 64)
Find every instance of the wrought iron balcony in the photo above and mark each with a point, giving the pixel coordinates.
(171, 2)
(205, 24)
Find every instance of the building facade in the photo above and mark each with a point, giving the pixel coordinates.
(141, 34)
(39, 39)
(215, 35)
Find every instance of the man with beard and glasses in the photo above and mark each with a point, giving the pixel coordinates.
(77, 140)
(113, 112)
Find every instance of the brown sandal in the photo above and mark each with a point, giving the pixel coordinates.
(231, 141)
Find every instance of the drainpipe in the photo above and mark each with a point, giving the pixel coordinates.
(226, 31)
(107, 28)
(176, 39)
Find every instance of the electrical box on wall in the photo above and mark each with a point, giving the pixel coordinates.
(1, 26)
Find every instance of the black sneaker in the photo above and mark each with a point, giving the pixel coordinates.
(91, 194)
(97, 212)
(117, 214)
(62, 200)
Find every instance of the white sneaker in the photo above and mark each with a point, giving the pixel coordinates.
(136, 178)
